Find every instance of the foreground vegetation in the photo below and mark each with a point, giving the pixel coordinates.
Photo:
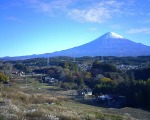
(26, 94)
(18, 103)
(28, 103)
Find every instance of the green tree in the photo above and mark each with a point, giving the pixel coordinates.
(22, 68)
(148, 91)
(79, 81)
(69, 78)
(100, 68)
(3, 78)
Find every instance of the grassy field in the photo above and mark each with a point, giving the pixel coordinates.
(31, 100)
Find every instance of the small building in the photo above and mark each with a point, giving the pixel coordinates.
(85, 92)
(50, 80)
(18, 72)
(88, 92)
(112, 100)
(105, 99)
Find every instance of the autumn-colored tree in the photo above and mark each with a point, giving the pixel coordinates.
(3, 77)
(105, 80)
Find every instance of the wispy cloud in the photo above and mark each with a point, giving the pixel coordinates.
(111, 3)
(93, 11)
(49, 6)
(98, 12)
(139, 30)
(93, 29)
(115, 26)
(12, 18)
(145, 21)
(96, 15)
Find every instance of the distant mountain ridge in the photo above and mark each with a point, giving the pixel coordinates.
(109, 44)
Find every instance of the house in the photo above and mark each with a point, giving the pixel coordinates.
(50, 80)
(112, 100)
(85, 92)
(88, 92)
(47, 79)
(18, 72)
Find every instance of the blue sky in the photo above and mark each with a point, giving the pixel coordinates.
(44, 26)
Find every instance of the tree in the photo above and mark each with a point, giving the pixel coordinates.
(105, 80)
(69, 78)
(100, 68)
(105, 86)
(22, 68)
(56, 72)
(148, 91)
(3, 78)
(79, 81)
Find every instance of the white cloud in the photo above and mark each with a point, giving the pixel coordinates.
(96, 15)
(98, 12)
(93, 11)
(139, 30)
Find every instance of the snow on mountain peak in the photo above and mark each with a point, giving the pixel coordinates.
(112, 35)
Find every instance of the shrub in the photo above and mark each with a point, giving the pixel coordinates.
(3, 77)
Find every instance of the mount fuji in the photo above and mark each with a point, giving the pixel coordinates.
(109, 44)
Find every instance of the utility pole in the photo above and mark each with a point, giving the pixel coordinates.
(74, 59)
(102, 58)
(26, 82)
(42, 80)
(47, 61)
(121, 53)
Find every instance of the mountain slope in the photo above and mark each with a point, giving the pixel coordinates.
(109, 44)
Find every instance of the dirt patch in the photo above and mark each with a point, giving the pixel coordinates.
(68, 92)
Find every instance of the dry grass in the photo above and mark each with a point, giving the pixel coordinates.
(30, 105)
(45, 107)
(33, 98)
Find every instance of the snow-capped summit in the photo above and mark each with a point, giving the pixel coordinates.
(109, 44)
(112, 35)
